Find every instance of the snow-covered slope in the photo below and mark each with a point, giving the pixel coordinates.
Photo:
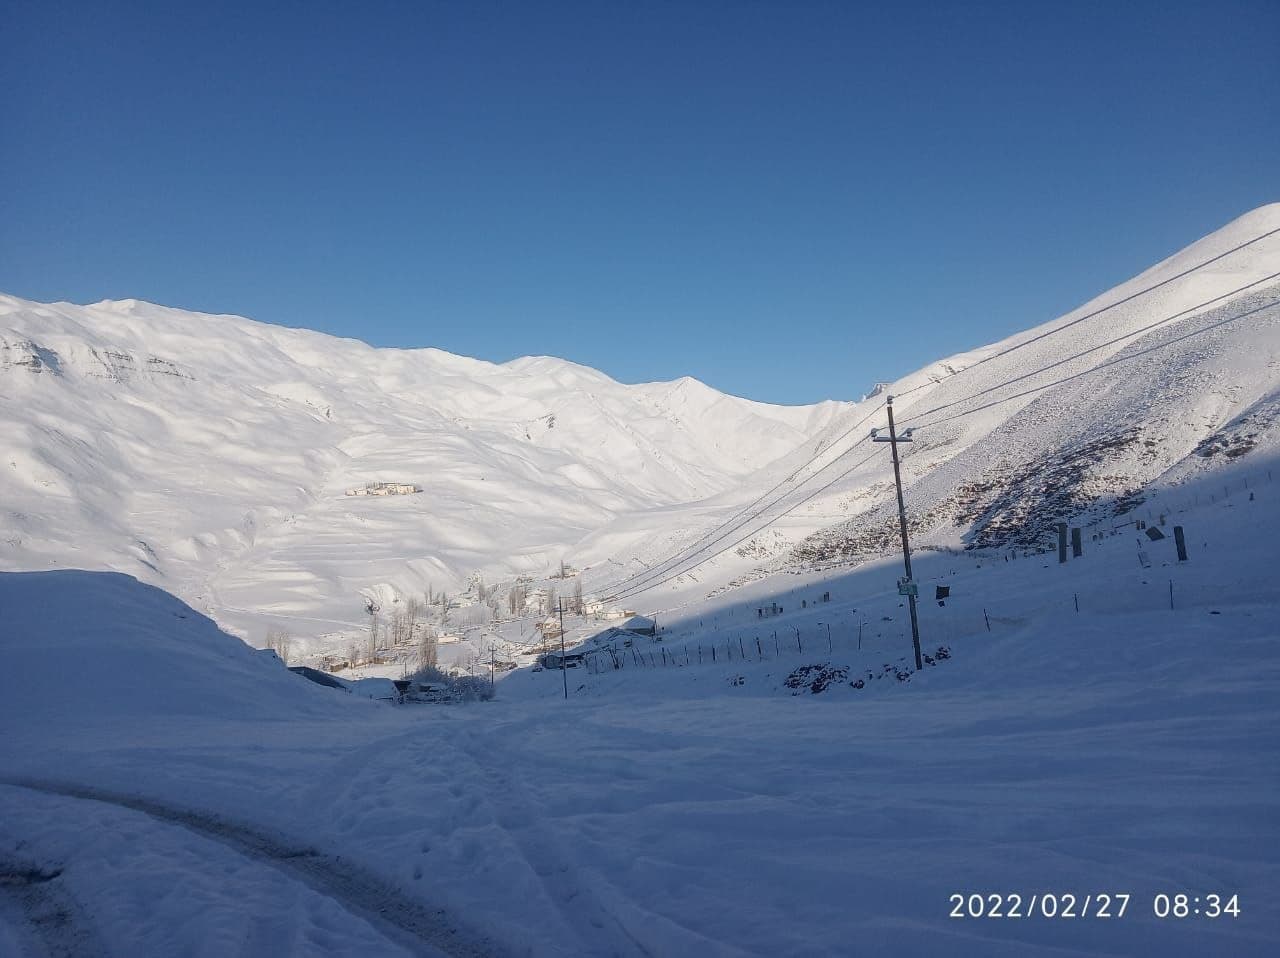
(1077, 419)
(212, 454)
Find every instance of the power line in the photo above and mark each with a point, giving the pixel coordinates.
(727, 525)
(1111, 342)
(1097, 312)
(630, 585)
(1113, 362)
(786, 512)
(1040, 388)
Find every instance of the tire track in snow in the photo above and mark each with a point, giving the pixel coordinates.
(568, 888)
(420, 929)
(608, 932)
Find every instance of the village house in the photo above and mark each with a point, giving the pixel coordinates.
(384, 489)
(640, 625)
(572, 660)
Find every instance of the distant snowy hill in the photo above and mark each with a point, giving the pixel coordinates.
(211, 454)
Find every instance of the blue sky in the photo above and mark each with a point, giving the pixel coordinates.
(786, 200)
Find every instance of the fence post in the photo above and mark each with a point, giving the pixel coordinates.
(759, 651)
(987, 618)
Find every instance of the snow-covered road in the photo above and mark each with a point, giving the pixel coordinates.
(310, 903)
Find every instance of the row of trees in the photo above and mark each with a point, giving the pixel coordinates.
(549, 600)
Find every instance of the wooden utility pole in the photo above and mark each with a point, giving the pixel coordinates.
(564, 673)
(906, 586)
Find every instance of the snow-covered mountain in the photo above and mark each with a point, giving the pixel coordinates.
(212, 455)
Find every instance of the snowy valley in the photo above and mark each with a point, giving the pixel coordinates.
(767, 773)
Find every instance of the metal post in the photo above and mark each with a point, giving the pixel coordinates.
(564, 674)
(902, 524)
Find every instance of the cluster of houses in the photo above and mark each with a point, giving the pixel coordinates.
(384, 489)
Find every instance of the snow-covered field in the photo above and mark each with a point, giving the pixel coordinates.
(193, 798)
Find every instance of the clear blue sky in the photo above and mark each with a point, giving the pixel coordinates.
(787, 200)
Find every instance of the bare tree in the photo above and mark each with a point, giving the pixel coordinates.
(577, 595)
(519, 595)
(428, 650)
(280, 642)
(373, 636)
(412, 612)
